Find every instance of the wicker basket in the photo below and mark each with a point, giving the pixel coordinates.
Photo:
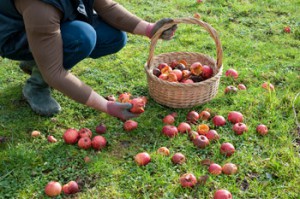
(179, 95)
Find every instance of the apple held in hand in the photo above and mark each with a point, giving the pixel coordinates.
(170, 130)
(178, 158)
(227, 149)
(53, 189)
(98, 142)
(222, 194)
(70, 188)
(124, 97)
(138, 105)
(71, 136)
(142, 159)
(188, 180)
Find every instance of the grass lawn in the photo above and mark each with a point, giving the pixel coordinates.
(254, 44)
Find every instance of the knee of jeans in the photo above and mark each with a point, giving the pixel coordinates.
(86, 42)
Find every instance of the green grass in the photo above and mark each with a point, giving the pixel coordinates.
(253, 42)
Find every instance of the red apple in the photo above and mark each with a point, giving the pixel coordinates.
(142, 159)
(201, 141)
(192, 117)
(124, 97)
(166, 70)
(212, 135)
(186, 74)
(287, 29)
(130, 125)
(98, 142)
(192, 135)
(199, 1)
(172, 77)
(53, 189)
(51, 139)
(202, 129)
(219, 120)
(235, 117)
(187, 81)
(229, 169)
(138, 105)
(163, 77)
(268, 86)
(240, 128)
(156, 72)
(227, 149)
(168, 119)
(173, 63)
(163, 151)
(184, 127)
(204, 115)
(262, 129)
(232, 73)
(70, 188)
(162, 65)
(71, 136)
(222, 194)
(85, 132)
(178, 73)
(242, 87)
(188, 180)
(84, 143)
(215, 169)
(196, 68)
(35, 133)
(101, 128)
(197, 15)
(178, 158)
(230, 89)
(207, 72)
(170, 130)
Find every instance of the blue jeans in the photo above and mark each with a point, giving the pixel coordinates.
(82, 40)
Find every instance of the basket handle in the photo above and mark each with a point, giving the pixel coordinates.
(188, 20)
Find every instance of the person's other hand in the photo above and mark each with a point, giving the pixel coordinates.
(167, 34)
(120, 110)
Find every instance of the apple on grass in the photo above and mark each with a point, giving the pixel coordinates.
(215, 169)
(184, 127)
(212, 135)
(163, 151)
(142, 159)
(101, 128)
(130, 125)
(35, 133)
(70, 188)
(71, 136)
(232, 73)
(84, 143)
(98, 142)
(53, 188)
(229, 169)
(239, 128)
(178, 158)
(170, 130)
(235, 117)
(85, 132)
(262, 129)
(192, 117)
(218, 120)
(168, 119)
(227, 149)
(188, 180)
(201, 141)
(204, 115)
(222, 194)
(51, 139)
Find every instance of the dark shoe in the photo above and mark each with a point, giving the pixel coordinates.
(38, 95)
(26, 66)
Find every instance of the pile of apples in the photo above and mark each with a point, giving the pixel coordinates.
(54, 188)
(180, 71)
(201, 129)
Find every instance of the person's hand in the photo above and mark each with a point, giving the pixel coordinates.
(167, 34)
(120, 110)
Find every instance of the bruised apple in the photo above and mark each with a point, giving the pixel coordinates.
(229, 169)
(138, 105)
(178, 158)
(162, 65)
(188, 180)
(71, 136)
(204, 115)
(130, 125)
(85, 132)
(142, 159)
(70, 188)
(230, 89)
(170, 130)
(163, 151)
(124, 97)
(202, 129)
(53, 189)
(196, 68)
(98, 142)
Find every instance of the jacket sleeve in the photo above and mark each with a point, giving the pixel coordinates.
(116, 15)
(42, 24)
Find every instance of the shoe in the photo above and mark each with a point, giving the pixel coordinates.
(38, 94)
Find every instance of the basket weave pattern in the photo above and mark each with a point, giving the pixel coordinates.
(179, 95)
